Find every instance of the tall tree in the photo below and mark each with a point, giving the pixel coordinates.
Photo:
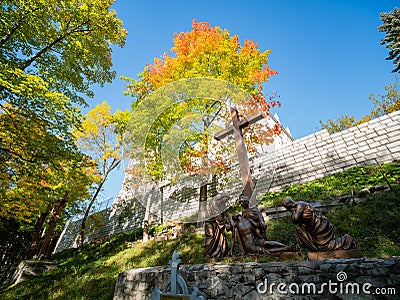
(391, 25)
(208, 52)
(51, 53)
(100, 137)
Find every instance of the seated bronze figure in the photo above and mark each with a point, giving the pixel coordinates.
(314, 231)
(254, 215)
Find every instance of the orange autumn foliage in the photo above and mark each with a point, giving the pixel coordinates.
(211, 52)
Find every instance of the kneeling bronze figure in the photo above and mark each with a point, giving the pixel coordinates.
(314, 230)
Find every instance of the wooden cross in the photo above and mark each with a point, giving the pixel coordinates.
(236, 129)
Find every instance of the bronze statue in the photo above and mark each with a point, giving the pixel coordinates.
(216, 225)
(250, 241)
(314, 230)
(254, 215)
(249, 232)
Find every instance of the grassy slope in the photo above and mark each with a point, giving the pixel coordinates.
(91, 273)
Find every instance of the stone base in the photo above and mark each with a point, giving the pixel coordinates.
(281, 256)
(174, 297)
(351, 253)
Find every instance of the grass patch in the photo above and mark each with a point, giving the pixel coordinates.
(345, 182)
(91, 273)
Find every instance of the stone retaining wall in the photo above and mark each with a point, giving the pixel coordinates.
(334, 279)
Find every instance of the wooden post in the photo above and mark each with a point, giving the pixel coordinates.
(236, 129)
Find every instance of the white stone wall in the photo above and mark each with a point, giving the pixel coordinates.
(321, 154)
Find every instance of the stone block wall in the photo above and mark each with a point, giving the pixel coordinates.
(111, 222)
(327, 279)
(321, 154)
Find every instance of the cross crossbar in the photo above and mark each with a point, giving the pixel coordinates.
(243, 124)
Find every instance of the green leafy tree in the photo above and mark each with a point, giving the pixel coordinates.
(386, 103)
(391, 26)
(339, 124)
(33, 183)
(100, 137)
(51, 53)
(30, 180)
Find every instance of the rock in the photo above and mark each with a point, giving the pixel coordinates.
(364, 192)
(31, 268)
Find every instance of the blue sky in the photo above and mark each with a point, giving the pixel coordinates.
(327, 53)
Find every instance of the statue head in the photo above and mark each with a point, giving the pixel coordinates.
(244, 201)
(288, 203)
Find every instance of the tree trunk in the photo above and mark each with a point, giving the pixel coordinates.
(86, 215)
(202, 206)
(213, 187)
(147, 218)
(52, 244)
(113, 165)
(55, 215)
(33, 247)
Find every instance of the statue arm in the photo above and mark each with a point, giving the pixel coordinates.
(260, 220)
(258, 224)
(228, 223)
(298, 213)
(236, 241)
